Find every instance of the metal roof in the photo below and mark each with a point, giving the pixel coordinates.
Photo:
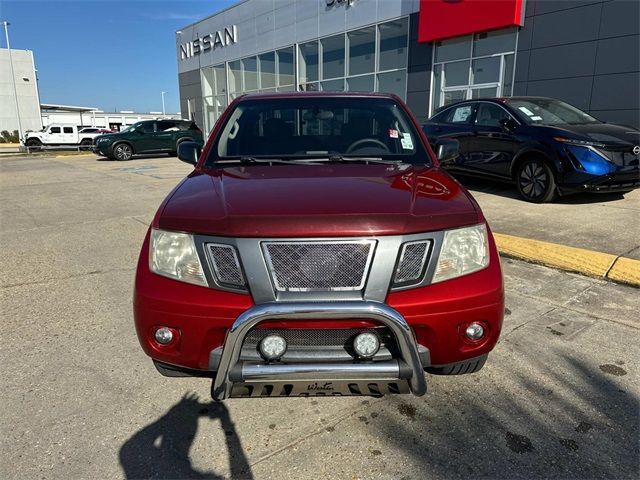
(66, 108)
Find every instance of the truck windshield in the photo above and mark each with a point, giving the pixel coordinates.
(319, 127)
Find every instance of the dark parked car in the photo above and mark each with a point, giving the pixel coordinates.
(545, 146)
(148, 136)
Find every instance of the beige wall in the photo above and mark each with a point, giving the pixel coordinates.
(27, 90)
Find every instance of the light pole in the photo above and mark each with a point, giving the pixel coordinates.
(163, 114)
(13, 77)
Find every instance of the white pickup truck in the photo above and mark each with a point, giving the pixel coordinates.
(58, 134)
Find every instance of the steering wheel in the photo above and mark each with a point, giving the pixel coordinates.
(357, 143)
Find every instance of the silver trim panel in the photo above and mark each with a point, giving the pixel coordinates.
(376, 288)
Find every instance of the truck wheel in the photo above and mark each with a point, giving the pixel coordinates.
(123, 151)
(34, 144)
(536, 181)
(86, 144)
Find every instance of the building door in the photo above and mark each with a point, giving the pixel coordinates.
(473, 67)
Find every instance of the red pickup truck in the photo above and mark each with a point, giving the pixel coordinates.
(318, 249)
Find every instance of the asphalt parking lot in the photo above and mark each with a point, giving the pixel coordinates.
(559, 397)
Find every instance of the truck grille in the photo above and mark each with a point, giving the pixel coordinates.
(226, 266)
(321, 266)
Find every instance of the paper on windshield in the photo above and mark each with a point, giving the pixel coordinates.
(407, 141)
(526, 111)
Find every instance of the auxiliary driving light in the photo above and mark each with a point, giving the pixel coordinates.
(474, 331)
(272, 347)
(164, 335)
(366, 345)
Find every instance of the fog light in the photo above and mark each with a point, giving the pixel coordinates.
(366, 345)
(475, 331)
(273, 347)
(164, 335)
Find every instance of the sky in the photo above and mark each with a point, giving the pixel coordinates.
(113, 55)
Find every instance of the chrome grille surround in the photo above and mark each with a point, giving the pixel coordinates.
(225, 265)
(319, 266)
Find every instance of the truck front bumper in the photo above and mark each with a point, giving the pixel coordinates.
(235, 378)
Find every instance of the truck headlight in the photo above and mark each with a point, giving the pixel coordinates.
(464, 251)
(174, 255)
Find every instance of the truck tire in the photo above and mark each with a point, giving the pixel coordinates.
(122, 151)
(86, 144)
(34, 144)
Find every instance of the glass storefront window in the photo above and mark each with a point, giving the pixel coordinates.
(308, 62)
(507, 77)
(393, 82)
(235, 77)
(364, 83)
(393, 44)
(485, 70)
(208, 85)
(287, 88)
(209, 113)
(250, 68)
(474, 67)
(286, 69)
(362, 50)
(484, 92)
(320, 65)
(453, 49)
(456, 73)
(333, 85)
(267, 70)
(488, 43)
(332, 56)
(221, 79)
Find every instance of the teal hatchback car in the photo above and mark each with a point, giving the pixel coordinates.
(148, 136)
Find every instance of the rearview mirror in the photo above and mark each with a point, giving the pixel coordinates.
(447, 149)
(189, 152)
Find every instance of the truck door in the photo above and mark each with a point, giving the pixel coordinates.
(69, 135)
(53, 135)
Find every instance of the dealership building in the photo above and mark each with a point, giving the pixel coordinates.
(429, 52)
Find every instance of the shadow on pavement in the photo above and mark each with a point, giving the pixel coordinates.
(561, 420)
(508, 190)
(138, 157)
(161, 449)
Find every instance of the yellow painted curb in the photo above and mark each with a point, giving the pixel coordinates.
(71, 154)
(625, 270)
(571, 259)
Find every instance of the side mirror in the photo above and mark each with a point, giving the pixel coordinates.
(508, 124)
(139, 131)
(189, 152)
(447, 149)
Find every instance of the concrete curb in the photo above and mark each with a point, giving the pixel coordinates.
(587, 262)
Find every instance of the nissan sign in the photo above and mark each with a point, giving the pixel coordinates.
(211, 41)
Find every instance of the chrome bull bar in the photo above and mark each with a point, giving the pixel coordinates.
(408, 366)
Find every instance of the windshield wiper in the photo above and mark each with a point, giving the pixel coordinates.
(342, 158)
(249, 160)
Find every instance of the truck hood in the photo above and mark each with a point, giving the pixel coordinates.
(317, 200)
